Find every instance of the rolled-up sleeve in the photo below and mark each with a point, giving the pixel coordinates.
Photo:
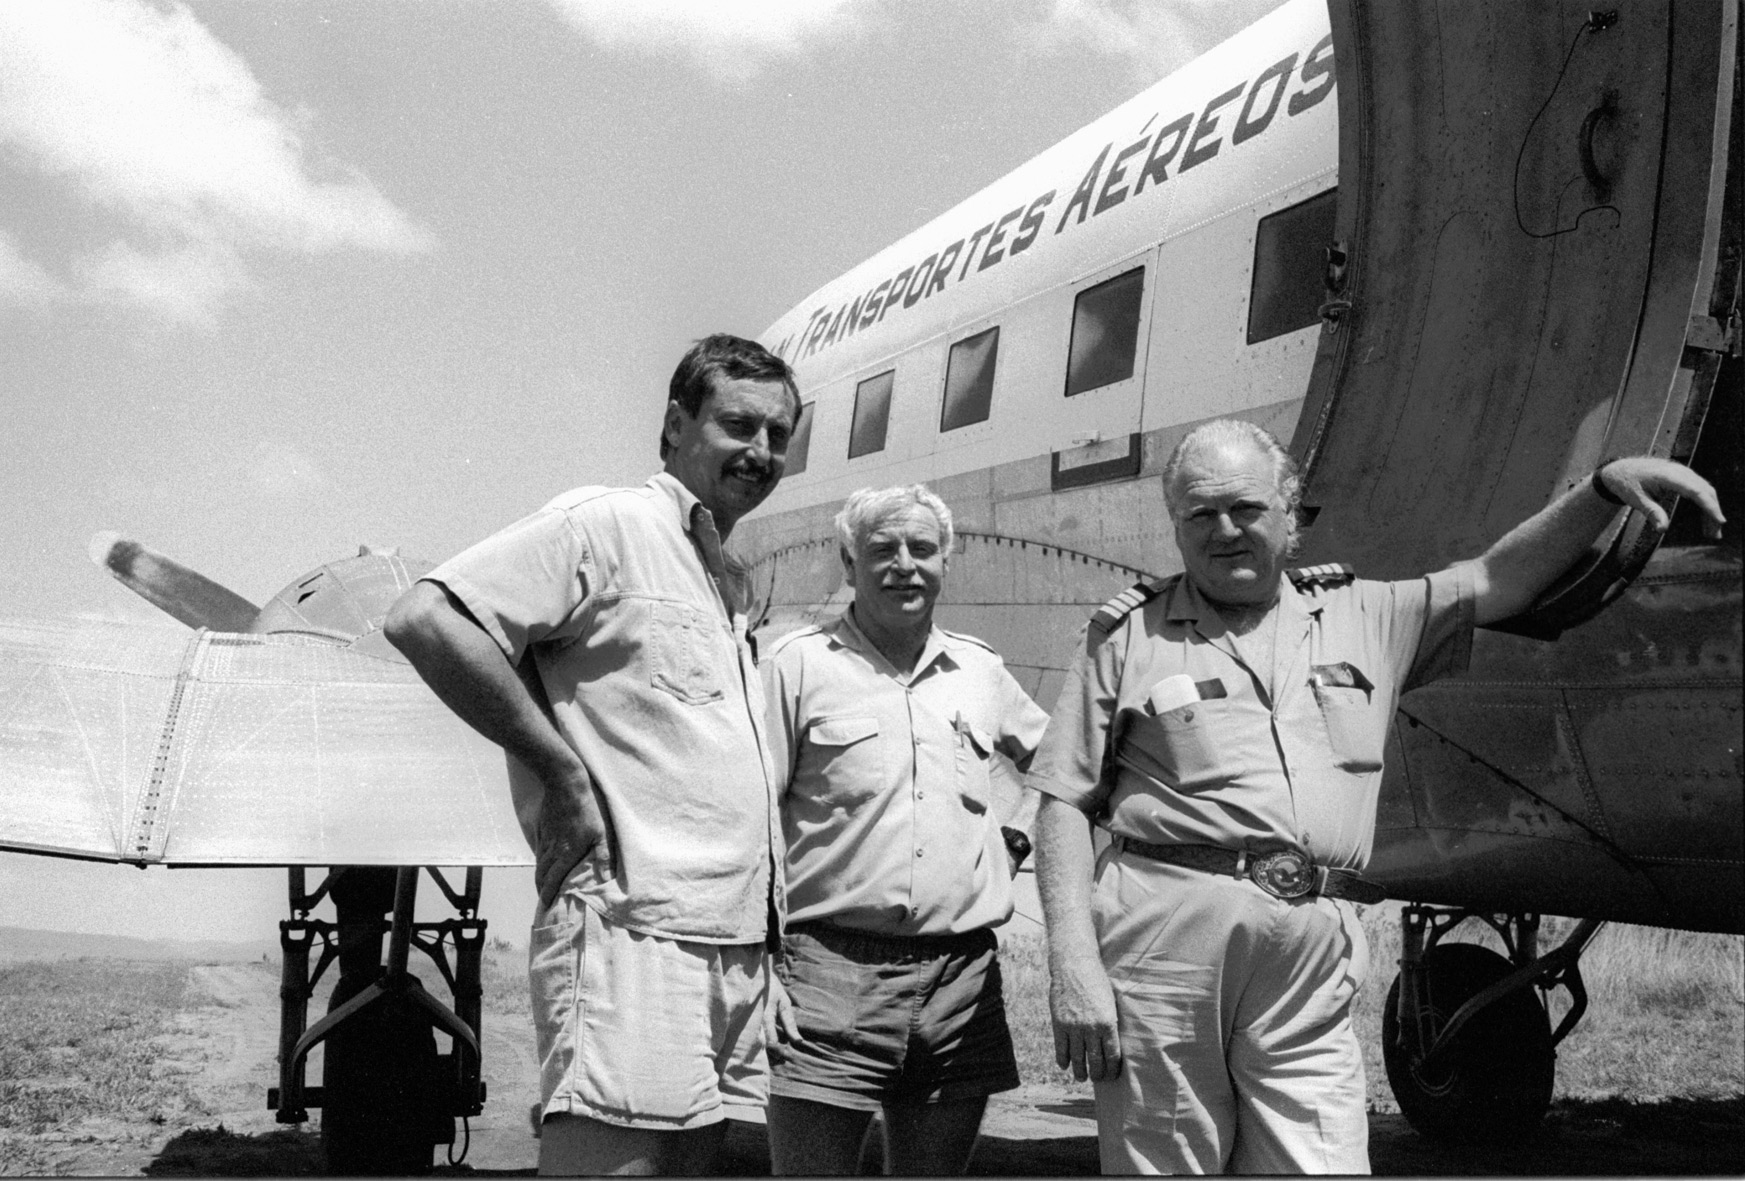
(1444, 644)
(1070, 763)
(526, 584)
(1022, 723)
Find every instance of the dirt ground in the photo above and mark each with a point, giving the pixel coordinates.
(225, 1043)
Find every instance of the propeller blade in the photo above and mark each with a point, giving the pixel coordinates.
(190, 597)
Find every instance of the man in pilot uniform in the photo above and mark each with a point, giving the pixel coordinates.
(1226, 726)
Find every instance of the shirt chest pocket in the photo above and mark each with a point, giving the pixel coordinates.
(685, 651)
(842, 754)
(1356, 727)
(975, 750)
(1178, 746)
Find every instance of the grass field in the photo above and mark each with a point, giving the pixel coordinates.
(90, 1049)
(76, 1041)
(1666, 1011)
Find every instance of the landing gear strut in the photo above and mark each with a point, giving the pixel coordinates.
(388, 1096)
(1469, 1050)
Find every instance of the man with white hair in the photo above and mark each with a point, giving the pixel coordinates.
(1226, 726)
(898, 867)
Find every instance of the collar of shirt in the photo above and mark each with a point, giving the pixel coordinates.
(1187, 605)
(700, 524)
(843, 632)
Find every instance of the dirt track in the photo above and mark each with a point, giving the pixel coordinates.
(225, 1044)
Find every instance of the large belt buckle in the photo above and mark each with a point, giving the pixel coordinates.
(1284, 874)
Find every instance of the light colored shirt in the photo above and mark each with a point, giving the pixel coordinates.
(888, 811)
(623, 598)
(1239, 766)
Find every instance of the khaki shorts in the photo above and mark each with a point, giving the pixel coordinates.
(903, 1021)
(645, 1032)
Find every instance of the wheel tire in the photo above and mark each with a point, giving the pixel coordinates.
(382, 1108)
(1494, 1082)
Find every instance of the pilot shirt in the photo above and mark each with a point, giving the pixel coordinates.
(1239, 766)
(888, 810)
(622, 597)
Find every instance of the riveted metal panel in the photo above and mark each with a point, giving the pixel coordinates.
(1528, 207)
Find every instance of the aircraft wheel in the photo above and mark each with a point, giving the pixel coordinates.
(1494, 1082)
(383, 1105)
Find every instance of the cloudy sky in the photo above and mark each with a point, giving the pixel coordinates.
(280, 278)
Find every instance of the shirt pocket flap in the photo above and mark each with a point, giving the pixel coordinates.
(1177, 747)
(841, 731)
(974, 750)
(979, 739)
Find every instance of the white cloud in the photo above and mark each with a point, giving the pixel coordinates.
(733, 39)
(184, 285)
(1152, 38)
(23, 281)
(148, 118)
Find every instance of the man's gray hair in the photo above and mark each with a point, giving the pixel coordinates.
(866, 509)
(1235, 432)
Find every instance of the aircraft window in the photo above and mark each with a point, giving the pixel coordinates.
(1105, 332)
(969, 380)
(800, 442)
(872, 413)
(1290, 268)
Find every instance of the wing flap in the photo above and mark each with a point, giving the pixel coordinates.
(124, 743)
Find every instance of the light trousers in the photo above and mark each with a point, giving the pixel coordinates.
(1235, 1023)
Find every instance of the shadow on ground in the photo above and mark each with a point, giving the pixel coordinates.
(1617, 1137)
(218, 1152)
(1592, 1137)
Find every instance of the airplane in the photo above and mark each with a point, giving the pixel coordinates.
(1505, 247)
(292, 734)
(1487, 255)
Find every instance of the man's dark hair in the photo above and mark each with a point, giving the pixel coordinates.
(724, 356)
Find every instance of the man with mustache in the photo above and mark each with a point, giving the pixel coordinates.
(898, 866)
(601, 642)
(1226, 726)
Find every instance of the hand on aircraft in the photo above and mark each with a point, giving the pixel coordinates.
(570, 830)
(1641, 481)
(1083, 1007)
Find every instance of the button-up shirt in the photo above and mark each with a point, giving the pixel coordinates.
(889, 815)
(1263, 754)
(624, 600)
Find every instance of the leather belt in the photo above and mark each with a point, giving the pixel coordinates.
(1284, 873)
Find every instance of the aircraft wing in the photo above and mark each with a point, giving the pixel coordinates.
(157, 746)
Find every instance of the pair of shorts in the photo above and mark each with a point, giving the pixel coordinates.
(645, 1032)
(893, 1020)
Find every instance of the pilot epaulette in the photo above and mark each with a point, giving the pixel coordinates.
(1110, 614)
(810, 629)
(965, 637)
(1326, 574)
